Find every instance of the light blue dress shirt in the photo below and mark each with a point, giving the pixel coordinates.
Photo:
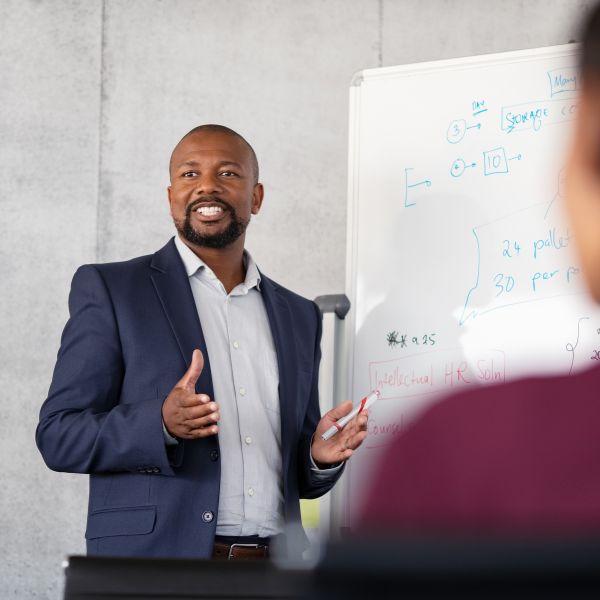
(245, 380)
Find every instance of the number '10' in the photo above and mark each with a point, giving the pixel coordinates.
(493, 161)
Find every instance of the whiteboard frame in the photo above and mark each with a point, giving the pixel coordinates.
(356, 86)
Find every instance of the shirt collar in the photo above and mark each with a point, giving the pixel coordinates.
(192, 263)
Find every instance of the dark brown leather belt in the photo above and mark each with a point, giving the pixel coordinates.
(240, 551)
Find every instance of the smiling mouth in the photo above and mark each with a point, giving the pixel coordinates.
(209, 211)
(211, 222)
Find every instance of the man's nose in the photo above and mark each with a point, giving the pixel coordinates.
(208, 183)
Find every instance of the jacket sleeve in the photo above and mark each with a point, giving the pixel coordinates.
(314, 483)
(85, 425)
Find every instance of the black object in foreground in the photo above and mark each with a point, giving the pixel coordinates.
(378, 569)
(98, 578)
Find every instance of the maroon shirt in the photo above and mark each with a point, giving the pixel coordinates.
(522, 458)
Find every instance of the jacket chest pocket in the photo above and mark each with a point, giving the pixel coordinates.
(134, 520)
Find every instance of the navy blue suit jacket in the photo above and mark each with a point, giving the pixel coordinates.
(132, 329)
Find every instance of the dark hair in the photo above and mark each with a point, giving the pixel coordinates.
(590, 39)
(212, 128)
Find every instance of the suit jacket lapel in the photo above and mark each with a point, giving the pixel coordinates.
(173, 288)
(282, 330)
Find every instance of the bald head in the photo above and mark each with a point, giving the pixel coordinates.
(221, 129)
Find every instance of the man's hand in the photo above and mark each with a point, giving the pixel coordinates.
(341, 446)
(188, 415)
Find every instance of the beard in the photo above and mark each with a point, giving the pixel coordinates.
(218, 239)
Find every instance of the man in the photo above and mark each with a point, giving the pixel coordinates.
(520, 458)
(186, 381)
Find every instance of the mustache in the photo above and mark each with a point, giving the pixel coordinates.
(208, 198)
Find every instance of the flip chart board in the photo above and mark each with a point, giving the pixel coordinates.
(461, 266)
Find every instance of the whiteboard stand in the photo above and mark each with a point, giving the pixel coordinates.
(332, 391)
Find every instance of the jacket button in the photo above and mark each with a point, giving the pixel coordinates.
(155, 470)
(214, 455)
(208, 516)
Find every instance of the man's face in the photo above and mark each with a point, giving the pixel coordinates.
(212, 193)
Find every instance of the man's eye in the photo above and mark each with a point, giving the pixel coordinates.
(189, 174)
(229, 174)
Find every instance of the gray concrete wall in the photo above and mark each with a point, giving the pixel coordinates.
(94, 96)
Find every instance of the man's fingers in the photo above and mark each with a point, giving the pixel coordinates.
(188, 381)
(362, 419)
(200, 433)
(340, 411)
(358, 422)
(356, 431)
(205, 421)
(197, 421)
(183, 404)
(354, 441)
(341, 446)
(186, 400)
(198, 411)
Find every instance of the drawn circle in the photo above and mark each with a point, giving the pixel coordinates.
(456, 131)
(458, 167)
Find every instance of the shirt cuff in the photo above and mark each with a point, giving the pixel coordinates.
(169, 439)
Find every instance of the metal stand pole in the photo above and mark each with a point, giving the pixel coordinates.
(332, 391)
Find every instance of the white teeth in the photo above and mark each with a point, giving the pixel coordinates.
(209, 210)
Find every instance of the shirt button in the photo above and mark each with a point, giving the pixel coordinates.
(248, 440)
(236, 344)
(250, 491)
(208, 516)
(214, 455)
(242, 391)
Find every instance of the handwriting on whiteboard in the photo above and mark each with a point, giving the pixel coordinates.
(563, 80)
(395, 339)
(528, 116)
(519, 258)
(434, 372)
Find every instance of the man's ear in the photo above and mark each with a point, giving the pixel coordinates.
(169, 196)
(257, 198)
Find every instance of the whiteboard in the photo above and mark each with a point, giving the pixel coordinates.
(461, 267)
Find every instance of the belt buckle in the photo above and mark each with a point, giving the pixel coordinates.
(230, 554)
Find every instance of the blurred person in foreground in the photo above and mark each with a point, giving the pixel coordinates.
(518, 458)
